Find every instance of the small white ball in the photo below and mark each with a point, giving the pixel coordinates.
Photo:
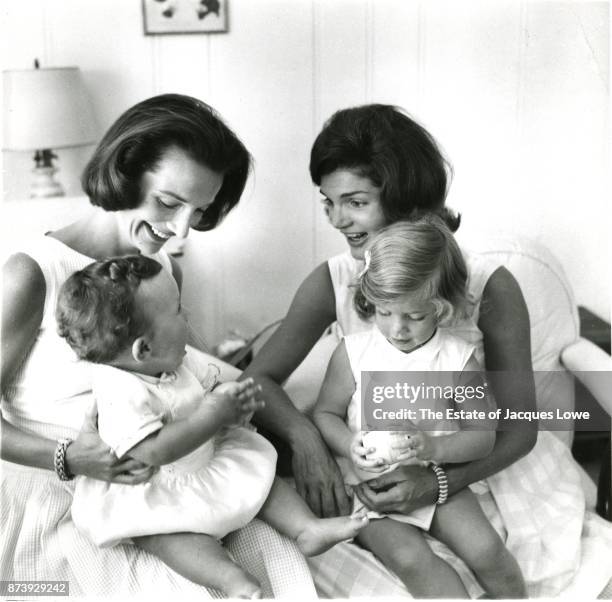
(382, 442)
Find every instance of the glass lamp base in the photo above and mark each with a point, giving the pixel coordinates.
(44, 184)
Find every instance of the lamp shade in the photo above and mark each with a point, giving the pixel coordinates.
(46, 109)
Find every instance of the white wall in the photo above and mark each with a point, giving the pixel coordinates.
(516, 92)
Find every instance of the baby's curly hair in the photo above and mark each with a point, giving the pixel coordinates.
(420, 257)
(96, 312)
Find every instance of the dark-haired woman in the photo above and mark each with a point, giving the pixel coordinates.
(166, 165)
(375, 165)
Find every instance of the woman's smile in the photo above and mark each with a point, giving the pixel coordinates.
(151, 233)
(148, 238)
(352, 204)
(158, 233)
(174, 196)
(355, 239)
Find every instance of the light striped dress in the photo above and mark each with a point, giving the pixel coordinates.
(49, 397)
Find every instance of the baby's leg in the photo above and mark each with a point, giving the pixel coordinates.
(463, 527)
(287, 512)
(403, 549)
(203, 560)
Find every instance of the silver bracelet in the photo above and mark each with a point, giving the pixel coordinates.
(59, 460)
(442, 483)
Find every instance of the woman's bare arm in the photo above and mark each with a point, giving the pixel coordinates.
(316, 473)
(22, 309)
(504, 322)
(312, 310)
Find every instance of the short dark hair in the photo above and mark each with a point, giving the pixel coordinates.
(139, 138)
(96, 311)
(384, 144)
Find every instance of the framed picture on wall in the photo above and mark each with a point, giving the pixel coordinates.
(184, 16)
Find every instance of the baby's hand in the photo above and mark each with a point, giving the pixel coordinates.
(358, 453)
(237, 401)
(415, 444)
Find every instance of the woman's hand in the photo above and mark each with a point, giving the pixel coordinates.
(317, 476)
(88, 455)
(237, 401)
(358, 455)
(403, 490)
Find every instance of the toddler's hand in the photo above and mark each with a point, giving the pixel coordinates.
(357, 454)
(415, 444)
(237, 401)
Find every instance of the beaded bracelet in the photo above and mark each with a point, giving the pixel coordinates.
(442, 483)
(59, 460)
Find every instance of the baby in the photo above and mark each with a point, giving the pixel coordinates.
(162, 407)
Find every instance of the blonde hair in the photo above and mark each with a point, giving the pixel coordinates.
(420, 257)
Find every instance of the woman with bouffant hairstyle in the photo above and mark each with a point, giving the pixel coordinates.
(136, 142)
(375, 165)
(392, 150)
(168, 164)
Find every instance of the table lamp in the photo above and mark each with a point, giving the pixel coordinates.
(46, 109)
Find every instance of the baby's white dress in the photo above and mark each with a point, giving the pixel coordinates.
(217, 488)
(370, 351)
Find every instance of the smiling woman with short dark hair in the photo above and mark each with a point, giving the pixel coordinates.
(166, 165)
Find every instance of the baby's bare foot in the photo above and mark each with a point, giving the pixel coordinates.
(240, 584)
(250, 590)
(324, 533)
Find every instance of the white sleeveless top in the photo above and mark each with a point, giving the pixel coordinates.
(217, 488)
(52, 389)
(370, 351)
(344, 270)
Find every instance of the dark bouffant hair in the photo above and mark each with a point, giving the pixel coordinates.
(139, 138)
(96, 313)
(397, 154)
(418, 257)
